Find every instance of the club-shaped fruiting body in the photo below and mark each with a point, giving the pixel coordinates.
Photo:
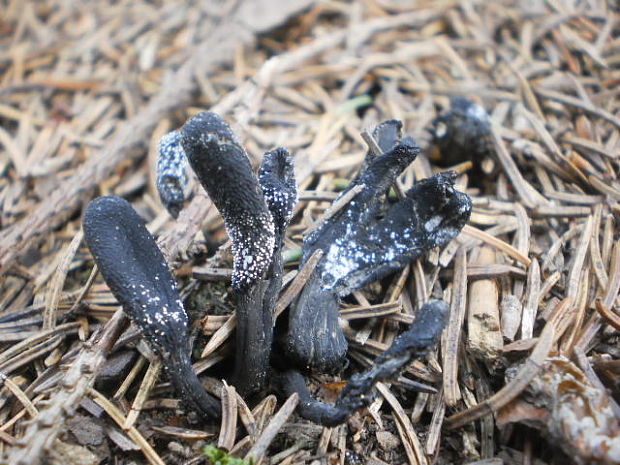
(368, 239)
(171, 172)
(419, 339)
(432, 213)
(137, 274)
(378, 174)
(223, 168)
(462, 133)
(278, 186)
(256, 212)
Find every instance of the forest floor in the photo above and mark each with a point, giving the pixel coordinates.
(88, 88)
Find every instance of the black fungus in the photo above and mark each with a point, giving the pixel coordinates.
(462, 133)
(365, 241)
(172, 178)
(256, 212)
(223, 168)
(420, 338)
(138, 276)
(278, 186)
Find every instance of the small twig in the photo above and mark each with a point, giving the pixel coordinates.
(530, 306)
(76, 383)
(574, 102)
(413, 448)
(52, 297)
(298, 282)
(336, 207)
(528, 194)
(450, 349)
(129, 379)
(19, 395)
(247, 417)
(610, 316)
(435, 428)
(257, 452)
(372, 143)
(495, 242)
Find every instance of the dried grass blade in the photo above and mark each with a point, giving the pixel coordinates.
(497, 243)
(530, 308)
(579, 259)
(370, 311)
(575, 102)
(52, 296)
(336, 207)
(263, 411)
(247, 417)
(129, 379)
(220, 336)
(413, 448)
(610, 316)
(298, 282)
(19, 395)
(611, 294)
(526, 192)
(76, 384)
(434, 431)
(582, 299)
(595, 249)
(523, 235)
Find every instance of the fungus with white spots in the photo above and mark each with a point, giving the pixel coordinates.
(223, 168)
(172, 177)
(365, 240)
(256, 214)
(136, 272)
(368, 239)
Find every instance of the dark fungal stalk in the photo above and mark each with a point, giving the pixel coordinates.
(255, 214)
(256, 304)
(277, 181)
(136, 272)
(461, 133)
(418, 340)
(387, 134)
(172, 178)
(377, 175)
(365, 241)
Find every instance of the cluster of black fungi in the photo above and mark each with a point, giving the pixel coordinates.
(367, 239)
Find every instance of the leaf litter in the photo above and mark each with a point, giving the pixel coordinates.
(86, 93)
